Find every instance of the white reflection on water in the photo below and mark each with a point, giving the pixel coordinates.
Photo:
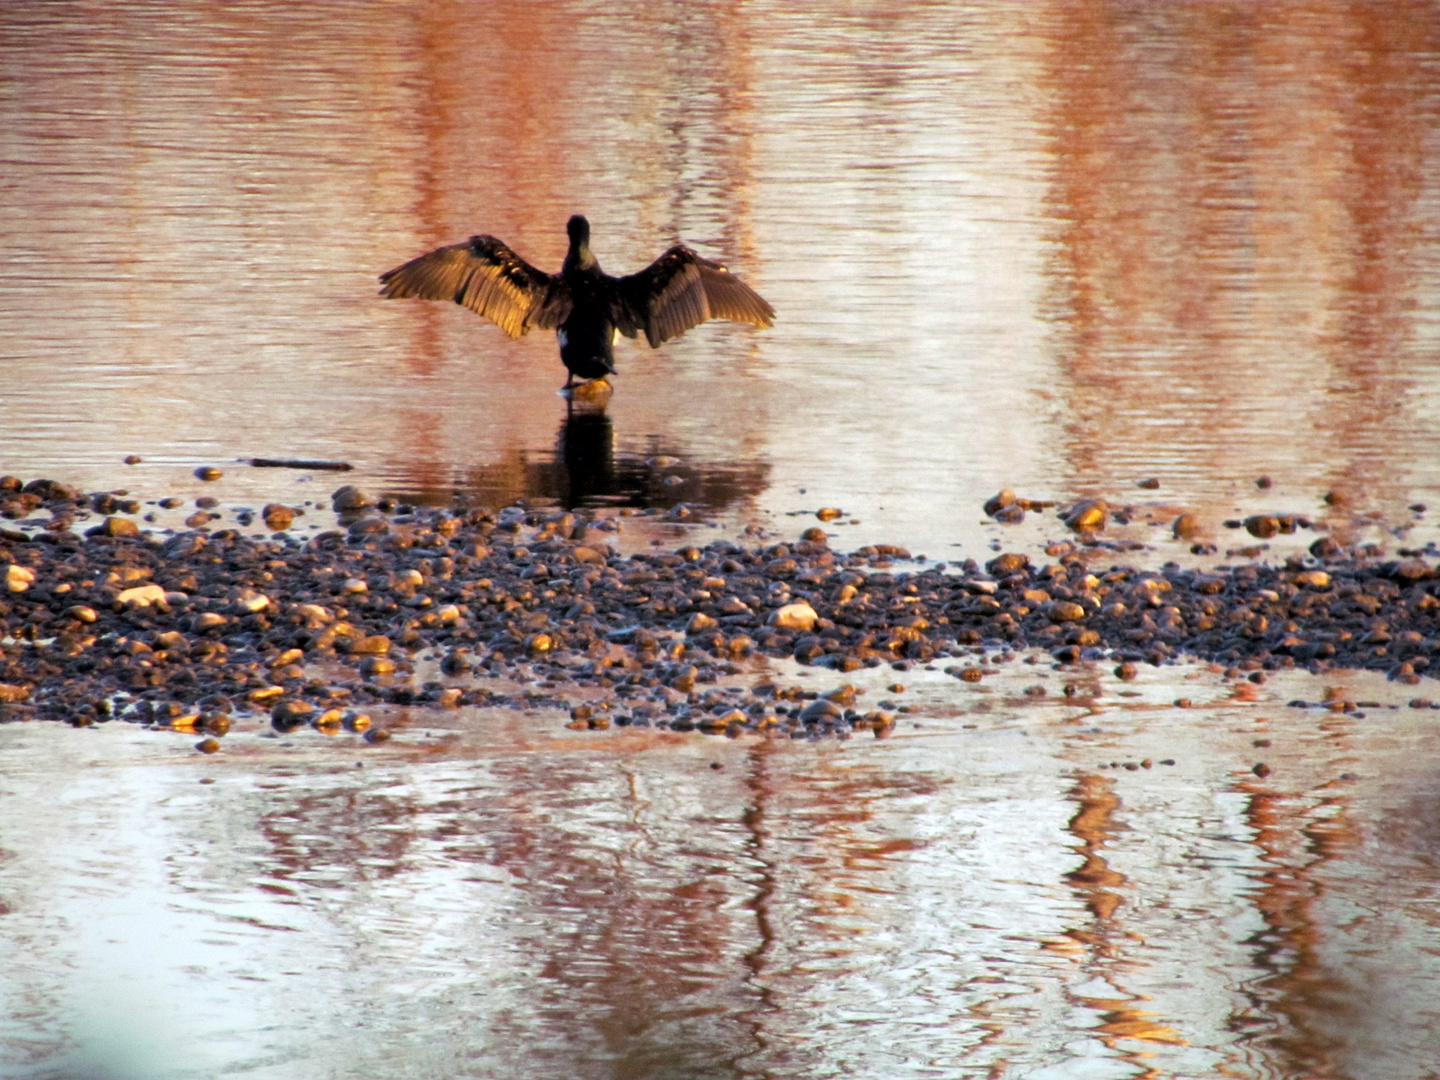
(484, 898)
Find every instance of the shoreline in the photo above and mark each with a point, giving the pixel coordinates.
(186, 630)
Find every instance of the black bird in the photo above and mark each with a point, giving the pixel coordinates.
(586, 307)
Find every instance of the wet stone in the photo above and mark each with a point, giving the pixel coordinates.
(1008, 563)
(798, 616)
(375, 667)
(1087, 516)
(1262, 526)
(349, 499)
(208, 473)
(278, 517)
(115, 526)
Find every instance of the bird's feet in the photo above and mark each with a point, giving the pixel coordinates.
(589, 391)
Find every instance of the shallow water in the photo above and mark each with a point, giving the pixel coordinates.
(983, 894)
(1057, 247)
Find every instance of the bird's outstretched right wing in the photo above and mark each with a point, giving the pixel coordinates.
(486, 276)
(680, 290)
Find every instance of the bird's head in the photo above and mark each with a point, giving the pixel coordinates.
(578, 229)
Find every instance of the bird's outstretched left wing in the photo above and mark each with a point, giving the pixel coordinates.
(680, 290)
(486, 276)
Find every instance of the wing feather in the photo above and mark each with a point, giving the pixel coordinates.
(486, 276)
(680, 290)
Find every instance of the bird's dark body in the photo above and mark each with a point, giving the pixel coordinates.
(587, 337)
(586, 307)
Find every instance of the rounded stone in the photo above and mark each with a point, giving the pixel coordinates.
(1262, 526)
(1186, 527)
(18, 578)
(348, 499)
(208, 473)
(1008, 563)
(375, 667)
(1088, 515)
(278, 517)
(797, 616)
(1063, 611)
(1002, 500)
(115, 526)
(699, 623)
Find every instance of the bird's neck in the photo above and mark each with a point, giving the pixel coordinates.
(580, 258)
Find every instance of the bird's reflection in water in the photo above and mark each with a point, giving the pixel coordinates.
(585, 450)
(586, 470)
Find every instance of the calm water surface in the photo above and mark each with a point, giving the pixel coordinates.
(982, 895)
(1053, 246)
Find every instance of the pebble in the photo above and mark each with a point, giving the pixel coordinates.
(374, 667)
(1262, 526)
(799, 616)
(829, 513)
(1186, 527)
(115, 526)
(18, 578)
(141, 596)
(278, 517)
(208, 473)
(1087, 516)
(1002, 500)
(349, 499)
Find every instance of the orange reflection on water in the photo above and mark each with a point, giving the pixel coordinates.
(1096, 824)
(1236, 185)
(1313, 1007)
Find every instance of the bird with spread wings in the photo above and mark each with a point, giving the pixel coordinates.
(586, 307)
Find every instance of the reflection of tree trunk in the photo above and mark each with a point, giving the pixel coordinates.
(1095, 826)
(1296, 838)
(1255, 189)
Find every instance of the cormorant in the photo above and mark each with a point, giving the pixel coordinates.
(586, 307)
